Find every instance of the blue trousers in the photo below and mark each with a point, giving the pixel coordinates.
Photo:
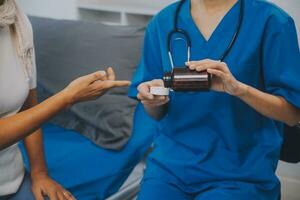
(160, 190)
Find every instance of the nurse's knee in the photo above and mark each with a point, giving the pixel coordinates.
(160, 190)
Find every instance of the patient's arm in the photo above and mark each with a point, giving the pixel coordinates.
(42, 184)
(90, 87)
(19, 126)
(34, 142)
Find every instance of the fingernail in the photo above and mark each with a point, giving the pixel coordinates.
(103, 73)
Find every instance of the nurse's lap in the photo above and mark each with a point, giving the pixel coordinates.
(154, 189)
(159, 190)
(228, 194)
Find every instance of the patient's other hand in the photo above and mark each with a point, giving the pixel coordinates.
(43, 185)
(92, 86)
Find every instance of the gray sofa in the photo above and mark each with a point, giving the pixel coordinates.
(68, 49)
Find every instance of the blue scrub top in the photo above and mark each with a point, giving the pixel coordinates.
(213, 137)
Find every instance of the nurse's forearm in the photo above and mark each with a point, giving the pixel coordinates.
(17, 127)
(157, 112)
(271, 106)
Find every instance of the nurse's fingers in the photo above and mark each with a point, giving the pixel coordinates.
(145, 96)
(217, 73)
(157, 82)
(155, 103)
(144, 91)
(156, 99)
(111, 74)
(193, 64)
(204, 64)
(198, 62)
(204, 67)
(212, 65)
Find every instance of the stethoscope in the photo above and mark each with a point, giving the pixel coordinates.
(185, 34)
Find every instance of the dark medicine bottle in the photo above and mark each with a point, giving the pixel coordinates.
(186, 80)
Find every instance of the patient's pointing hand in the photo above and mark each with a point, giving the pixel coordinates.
(92, 86)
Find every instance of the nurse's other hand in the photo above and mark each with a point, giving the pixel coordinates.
(92, 86)
(149, 99)
(222, 78)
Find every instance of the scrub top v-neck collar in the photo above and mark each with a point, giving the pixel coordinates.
(219, 40)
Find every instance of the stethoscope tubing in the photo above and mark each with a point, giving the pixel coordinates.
(177, 30)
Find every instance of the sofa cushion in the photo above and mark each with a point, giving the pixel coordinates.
(69, 49)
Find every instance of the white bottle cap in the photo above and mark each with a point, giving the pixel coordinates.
(160, 91)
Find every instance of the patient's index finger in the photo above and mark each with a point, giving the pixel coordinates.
(110, 84)
(121, 83)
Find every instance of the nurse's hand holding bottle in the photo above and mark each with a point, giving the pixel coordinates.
(223, 80)
(155, 105)
(149, 99)
(272, 106)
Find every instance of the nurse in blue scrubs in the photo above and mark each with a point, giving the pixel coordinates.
(222, 144)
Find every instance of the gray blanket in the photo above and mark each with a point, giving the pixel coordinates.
(69, 49)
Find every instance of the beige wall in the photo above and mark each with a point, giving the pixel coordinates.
(66, 9)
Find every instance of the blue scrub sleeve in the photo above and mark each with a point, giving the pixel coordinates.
(281, 60)
(150, 66)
